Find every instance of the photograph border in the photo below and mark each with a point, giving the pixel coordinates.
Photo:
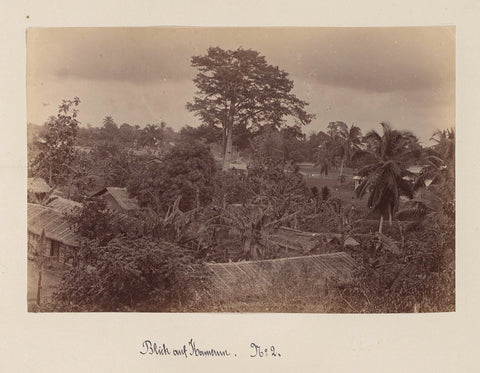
(308, 342)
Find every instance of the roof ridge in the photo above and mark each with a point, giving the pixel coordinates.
(337, 254)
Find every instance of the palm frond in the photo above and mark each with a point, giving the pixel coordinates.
(405, 187)
(373, 135)
(369, 169)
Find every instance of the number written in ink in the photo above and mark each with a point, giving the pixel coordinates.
(261, 351)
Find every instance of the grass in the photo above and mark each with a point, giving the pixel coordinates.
(344, 191)
(285, 294)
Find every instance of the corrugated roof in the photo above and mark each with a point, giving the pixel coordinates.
(63, 205)
(55, 225)
(37, 185)
(228, 277)
(121, 196)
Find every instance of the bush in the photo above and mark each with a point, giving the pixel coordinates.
(129, 272)
(230, 188)
(94, 221)
(187, 170)
(419, 278)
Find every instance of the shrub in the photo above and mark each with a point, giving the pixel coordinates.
(418, 278)
(187, 170)
(230, 188)
(94, 221)
(128, 272)
(325, 193)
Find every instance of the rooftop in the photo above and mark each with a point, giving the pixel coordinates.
(300, 242)
(63, 205)
(55, 225)
(121, 196)
(37, 185)
(227, 277)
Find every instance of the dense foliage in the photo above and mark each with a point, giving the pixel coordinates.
(191, 212)
(94, 221)
(239, 91)
(187, 170)
(56, 151)
(384, 178)
(124, 273)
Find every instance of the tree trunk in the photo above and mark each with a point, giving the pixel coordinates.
(50, 175)
(401, 233)
(224, 140)
(229, 132)
(39, 286)
(340, 176)
(228, 150)
(381, 224)
(41, 247)
(390, 216)
(70, 182)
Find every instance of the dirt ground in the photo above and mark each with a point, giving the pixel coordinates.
(50, 281)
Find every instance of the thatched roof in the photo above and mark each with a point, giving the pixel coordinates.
(37, 185)
(121, 196)
(306, 242)
(63, 205)
(230, 277)
(55, 225)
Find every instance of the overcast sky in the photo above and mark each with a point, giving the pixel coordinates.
(405, 76)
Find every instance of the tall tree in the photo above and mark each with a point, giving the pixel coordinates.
(383, 178)
(240, 89)
(327, 150)
(109, 131)
(153, 134)
(57, 150)
(348, 140)
(205, 133)
(438, 160)
(127, 134)
(187, 170)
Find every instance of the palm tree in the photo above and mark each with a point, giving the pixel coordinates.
(349, 141)
(445, 143)
(327, 150)
(439, 163)
(152, 134)
(436, 199)
(338, 143)
(325, 158)
(383, 178)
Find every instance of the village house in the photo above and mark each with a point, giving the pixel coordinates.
(117, 199)
(308, 169)
(63, 205)
(37, 189)
(59, 237)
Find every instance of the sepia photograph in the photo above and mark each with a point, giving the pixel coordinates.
(251, 170)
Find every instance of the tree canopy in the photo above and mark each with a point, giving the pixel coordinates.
(57, 151)
(239, 89)
(383, 178)
(187, 170)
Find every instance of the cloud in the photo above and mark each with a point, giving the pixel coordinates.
(143, 75)
(372, 59)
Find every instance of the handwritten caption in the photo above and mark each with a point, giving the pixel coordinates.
(191, 349)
